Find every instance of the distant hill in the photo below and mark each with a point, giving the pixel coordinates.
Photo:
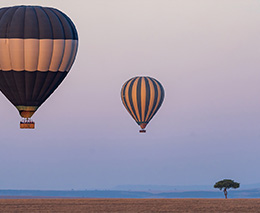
(177, 187)
(253, 193)
(162, 187)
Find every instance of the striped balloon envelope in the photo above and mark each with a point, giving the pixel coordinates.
(38, 46)
(142, 98)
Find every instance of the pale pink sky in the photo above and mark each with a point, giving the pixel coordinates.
(206, 55)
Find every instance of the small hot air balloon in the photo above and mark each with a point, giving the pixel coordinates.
(38, 46)
(142, 97)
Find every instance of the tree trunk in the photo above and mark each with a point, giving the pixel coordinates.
(225, 192)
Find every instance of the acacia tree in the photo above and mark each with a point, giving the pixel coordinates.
(226, 184)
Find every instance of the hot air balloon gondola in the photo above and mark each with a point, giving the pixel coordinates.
(142, 97)
(38, 46)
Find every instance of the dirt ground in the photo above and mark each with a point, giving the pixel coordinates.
(129, 205)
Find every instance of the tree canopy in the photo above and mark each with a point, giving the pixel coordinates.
(226, 184)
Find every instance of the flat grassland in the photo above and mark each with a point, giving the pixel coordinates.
(129, 205)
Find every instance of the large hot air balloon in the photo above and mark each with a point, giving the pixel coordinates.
(142, 97)
(38, 46)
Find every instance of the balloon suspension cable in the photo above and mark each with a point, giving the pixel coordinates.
(27, 123)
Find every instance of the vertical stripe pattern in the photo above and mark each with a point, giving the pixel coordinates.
(142, 98)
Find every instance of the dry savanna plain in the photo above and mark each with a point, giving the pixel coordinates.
(129, 205)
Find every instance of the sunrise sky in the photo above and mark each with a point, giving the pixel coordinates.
(206, 55)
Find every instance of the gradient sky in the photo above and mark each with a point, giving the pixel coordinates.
(206, 55)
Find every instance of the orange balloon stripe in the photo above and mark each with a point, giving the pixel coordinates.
(143, 98)
(152, 97)
(125, 98)
(157, 101)
(134, 99)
